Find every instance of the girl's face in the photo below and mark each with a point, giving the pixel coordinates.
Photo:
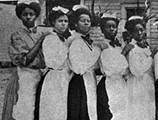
(84, 24)
(110, 29)
(138, 32)
(28, 17)
(61, 24)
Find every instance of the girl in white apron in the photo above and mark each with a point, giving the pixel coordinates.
(83, 56)
(140, 84)
(113, 66)
(53, 99)
(25, 52)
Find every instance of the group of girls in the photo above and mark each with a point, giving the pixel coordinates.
(57, 70)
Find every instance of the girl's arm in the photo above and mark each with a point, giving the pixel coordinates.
(127, 49)
(19, 52)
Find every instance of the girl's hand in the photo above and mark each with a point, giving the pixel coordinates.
(44, 34)
(127, 49)
(102, 46)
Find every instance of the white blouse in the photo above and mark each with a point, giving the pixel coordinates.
(139, 60)
(82, 56)
(55, 51)
(113, 62)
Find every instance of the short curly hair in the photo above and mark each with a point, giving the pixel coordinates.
(104, 20)
(74, 16)
(80, 11)
(53, 15)
(33, 5)
(132, 23)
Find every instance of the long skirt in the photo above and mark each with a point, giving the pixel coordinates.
(141, 98)
(116, 88)
(102, 101)
(77, 99)
(53, 99)
(10, 97)
(28, 81)
(82, 98)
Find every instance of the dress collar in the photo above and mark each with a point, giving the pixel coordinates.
(114, 43)
(30, 30)
(142, 44)
(63, 36)
(86, 38)
(133, 41)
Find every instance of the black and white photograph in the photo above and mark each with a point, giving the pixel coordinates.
(78, 59)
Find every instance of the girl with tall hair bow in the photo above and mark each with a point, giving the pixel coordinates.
(53, 99)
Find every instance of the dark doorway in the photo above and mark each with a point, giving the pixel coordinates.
(135, 11)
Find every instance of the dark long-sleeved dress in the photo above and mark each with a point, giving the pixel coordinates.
(28, 75)
(82, 95)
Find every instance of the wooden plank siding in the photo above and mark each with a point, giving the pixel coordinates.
(96, 33)
(153, 29)
(116, 6)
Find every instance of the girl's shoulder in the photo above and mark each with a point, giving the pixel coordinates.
(18, 36)
(75, 36)
(51, 40)
(101, 44)
(52, 36)
(18, 31)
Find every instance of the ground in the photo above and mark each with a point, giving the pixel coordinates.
(5, 74)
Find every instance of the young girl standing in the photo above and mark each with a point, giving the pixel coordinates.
(141, 93)
(113, 66)
(53, 100)
(82, 100)
(25, 52)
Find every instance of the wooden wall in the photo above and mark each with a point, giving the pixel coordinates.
(119, 7)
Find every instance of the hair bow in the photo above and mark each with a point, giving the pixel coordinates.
(115, 43)
(135, 17)
(27, 1)
(64, 10)
(76, 7)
